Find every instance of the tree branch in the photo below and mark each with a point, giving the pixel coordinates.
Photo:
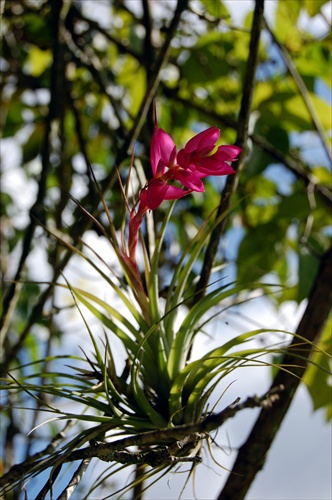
(169, 442)
(154, 81)
(37, 210)
(241, 141)
(304, 92)
(252, 454)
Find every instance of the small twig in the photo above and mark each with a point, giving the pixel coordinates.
(89, 60)
(18, 471)
(75, 480)
(154, 81)
(303, 91)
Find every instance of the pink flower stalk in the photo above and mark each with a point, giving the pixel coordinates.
(188, 166)
(135, 223)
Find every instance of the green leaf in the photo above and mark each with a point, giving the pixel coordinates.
(314, 6)
(295, 206)
(286, 23)
(37, 29)
(183, 340)
(323, 175)
(276, 135)
(128, 343)
(182, 272)
(13, 118)
(314, 61)
(290, 110)
(308, 267)
(31, 148)
(38, 60)
(216, 8)
(156, 419)
(190, 383)
(318, 376)
(207, 61)
(260, 250)
(133, 77)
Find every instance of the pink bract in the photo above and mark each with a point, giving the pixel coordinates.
(188, 166)
(196, 155)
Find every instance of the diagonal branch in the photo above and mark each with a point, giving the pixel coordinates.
(304, 92)
(252, 454)
(241, 141)
(155, 79)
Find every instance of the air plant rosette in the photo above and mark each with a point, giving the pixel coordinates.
(159, 404)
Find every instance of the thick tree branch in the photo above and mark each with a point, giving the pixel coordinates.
(252, 454)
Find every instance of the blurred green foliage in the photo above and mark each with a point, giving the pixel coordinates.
(74, 77)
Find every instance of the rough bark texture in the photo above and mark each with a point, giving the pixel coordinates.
(252, 454)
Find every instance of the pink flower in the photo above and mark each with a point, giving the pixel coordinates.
(188, 166)
(165, 169)
(196, 155)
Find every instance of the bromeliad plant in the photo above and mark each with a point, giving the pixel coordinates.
(160, 402)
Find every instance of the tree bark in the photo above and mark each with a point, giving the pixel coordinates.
(252, 454)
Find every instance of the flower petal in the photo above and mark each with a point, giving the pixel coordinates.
(174, 193)
(155, 151)
(191, 180)
(227, 153)
(213, 166)
(205, 139)
(156, 192)
(161, 148)
(183, 158)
